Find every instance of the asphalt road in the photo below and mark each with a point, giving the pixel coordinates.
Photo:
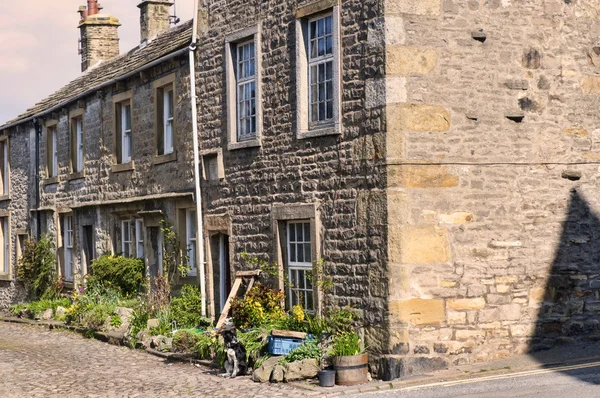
(578, 381)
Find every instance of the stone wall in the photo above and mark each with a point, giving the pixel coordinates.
(492, 177)
(342, 174)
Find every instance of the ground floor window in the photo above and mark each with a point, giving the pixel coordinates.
(68, 247)
(5, 249)
(139, 238)
(190, 228)
(126, 238)
(299, 264)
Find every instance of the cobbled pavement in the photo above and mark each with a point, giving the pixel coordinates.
(36, 362)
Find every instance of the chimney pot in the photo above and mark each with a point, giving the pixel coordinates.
(155, 18)
(99, 37)
(92, 6)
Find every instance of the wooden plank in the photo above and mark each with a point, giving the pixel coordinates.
(232, 294)
(288, 333)
(250, 285)
(247, 273)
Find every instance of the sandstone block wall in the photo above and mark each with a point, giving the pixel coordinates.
(492, 169)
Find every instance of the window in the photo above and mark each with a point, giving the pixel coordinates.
(5, 241)
(190, 223)
(5, 168)
(318, 75)
(166, 122)
(52, 151)
(126, 238)
(242, 52)
(123, 130)
(68, 247)
(139, 238)
(77, 142)
(299, 249)
(212, 166)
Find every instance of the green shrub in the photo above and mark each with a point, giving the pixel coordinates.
(126, 274)
(186, 310)
(37, 267)
(115, 321)
(139, 321)
(165, 328)
(346, 343)
(184, 341)
(37, 307)
(309, 349)
(91, 307)
(209, 346)
(262, 305)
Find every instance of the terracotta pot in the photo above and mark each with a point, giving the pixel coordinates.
(351, 370)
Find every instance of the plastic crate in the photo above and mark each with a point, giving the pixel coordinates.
(283, 345)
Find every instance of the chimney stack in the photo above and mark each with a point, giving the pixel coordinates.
(155, 18)
(99, 36)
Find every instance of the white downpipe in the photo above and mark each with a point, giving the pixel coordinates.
(200, 263)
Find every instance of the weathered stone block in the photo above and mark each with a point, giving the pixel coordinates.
(416, 117)
(579, 131)
(426, 176)
(456, 317)
(510, 312)
(418, 7)
(590, 84)
(424, 244)
(405, 60)
(458, 217)
(466, 304)
(419, 311)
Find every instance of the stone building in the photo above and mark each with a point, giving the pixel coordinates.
(439, 156)
(115, 153)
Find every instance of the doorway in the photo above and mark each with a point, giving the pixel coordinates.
(87, 247)
(221, 269)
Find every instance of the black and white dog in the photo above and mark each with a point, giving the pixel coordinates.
(235, 364)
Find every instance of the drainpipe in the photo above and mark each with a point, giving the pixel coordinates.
(38, 133)
(200, 263)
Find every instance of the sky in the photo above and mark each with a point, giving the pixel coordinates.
(39, 42)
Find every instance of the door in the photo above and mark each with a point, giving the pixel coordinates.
(221, 269)
(87, 247)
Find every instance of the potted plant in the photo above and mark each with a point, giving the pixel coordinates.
(350, 360)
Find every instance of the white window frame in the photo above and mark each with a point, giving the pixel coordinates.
(299, 268)
(139, 238)
(79, 144)
(126, 240)
(169, 119)
(125, 132)
(54, 143)
(316, 62)
(191, 232)
(306, 127)
(243, 83)
(235, 108)
(68, 248)
(5, 240)
(5, 172)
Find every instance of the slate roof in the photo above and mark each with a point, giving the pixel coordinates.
(164, 44)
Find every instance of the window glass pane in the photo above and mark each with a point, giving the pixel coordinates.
(299, 232)
(306, 232)
(292, 229)
(293, 253)
(300, 253)
(307, 253)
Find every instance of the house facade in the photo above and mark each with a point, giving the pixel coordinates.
(438, 157)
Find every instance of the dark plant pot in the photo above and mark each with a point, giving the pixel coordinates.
(351, 370)
(326, 377)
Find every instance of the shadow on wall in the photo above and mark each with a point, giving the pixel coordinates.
(570, 307)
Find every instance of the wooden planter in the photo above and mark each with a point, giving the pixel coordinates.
(352, 370)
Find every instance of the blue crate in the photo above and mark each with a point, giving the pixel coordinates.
(283, 345)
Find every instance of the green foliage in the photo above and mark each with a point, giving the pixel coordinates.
(341, 319)
(346, 343)
(92, 306)
(175, 263)
(186, 310)
(125, 274)
(184, 341)
(255, 341)
(261, 305)
(165, 328)
(209, 346)
(115, 321)
(37, 307)
(139, 321)
(309, 349)
(37, 267)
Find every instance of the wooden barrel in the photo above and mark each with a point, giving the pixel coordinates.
(352, 370)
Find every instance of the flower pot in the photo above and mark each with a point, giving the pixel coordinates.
(326, 377)
(351, 370)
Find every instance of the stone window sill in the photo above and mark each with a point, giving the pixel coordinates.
(4, 198)
(49, 181)
(119, 168)
(321, 131)
(76, 176)
(232, 146)
(5, 277)
(160, 159)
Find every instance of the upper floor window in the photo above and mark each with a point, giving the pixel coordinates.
(165, 115)
(320, 68)
(52, 151)
(242, 51)
(318, 73)
(4, 167)
(77, 141)
(123, 115)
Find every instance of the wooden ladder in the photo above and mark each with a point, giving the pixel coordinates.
(239, 276)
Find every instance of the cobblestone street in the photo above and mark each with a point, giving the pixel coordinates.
(35, 362)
